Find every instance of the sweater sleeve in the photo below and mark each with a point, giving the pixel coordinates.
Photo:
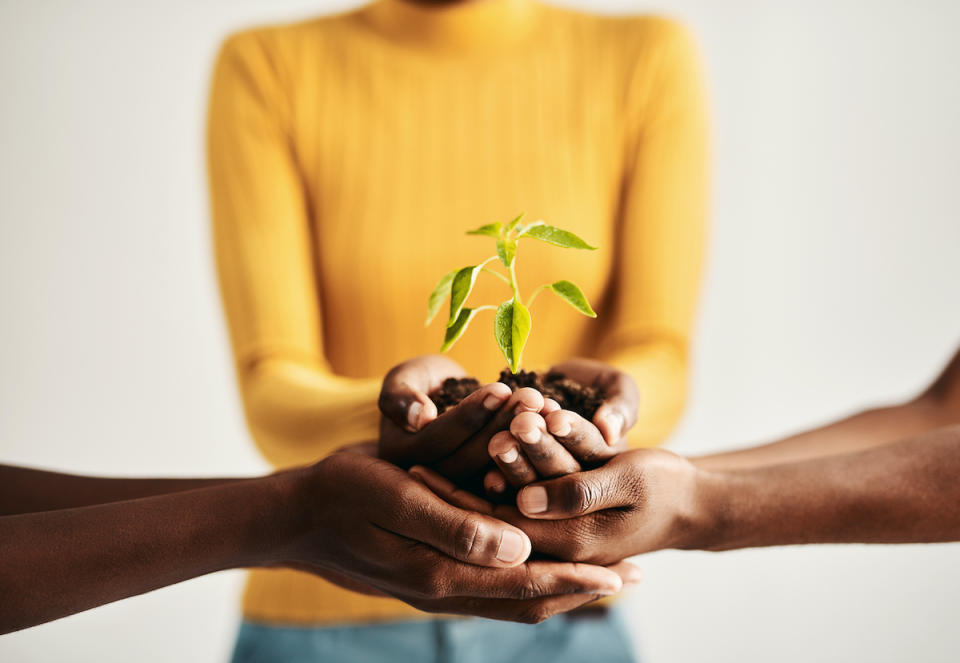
(661, 229)
(297, 409)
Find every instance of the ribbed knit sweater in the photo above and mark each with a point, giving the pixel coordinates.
(349, 153)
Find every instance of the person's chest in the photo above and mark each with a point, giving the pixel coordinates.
(399, 161)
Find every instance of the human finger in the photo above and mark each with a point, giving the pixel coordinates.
(548, 457)
(505, 451)
(581, 438)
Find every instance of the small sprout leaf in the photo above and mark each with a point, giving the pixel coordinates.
(460, 289)
(513, 224)
(556, 236)
(440, 292)
(574, 296)
(491, 230)
(506, 251)
(512, 327)
(455, 331)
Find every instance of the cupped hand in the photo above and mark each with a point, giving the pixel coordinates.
(455, 443)
(373, 525)
(554, 442)
(637, 502)
(618, 413)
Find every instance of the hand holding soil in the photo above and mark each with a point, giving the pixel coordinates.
(584, 434)
(455, 442)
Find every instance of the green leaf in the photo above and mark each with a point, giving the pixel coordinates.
(506, 250)
(491, 230)
(513, 224)
(456, 330)
(440, 292)
(555, 236)
(512, 327)
(574, 296)
(460, 289)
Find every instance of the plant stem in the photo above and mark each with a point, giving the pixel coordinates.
(497, 274)
(513, 279)
(485, 307)
(535, 293)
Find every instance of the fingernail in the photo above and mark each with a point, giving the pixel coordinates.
(413, 414)
(632, 576)
(492, 401)
(511, 546)
(496, 487)
(533, 499)
(561, 428)
(615, 422)
(531, 436)
(509, 455)
(605, 591)
(521, 408)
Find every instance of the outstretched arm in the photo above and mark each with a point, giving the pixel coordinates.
(645, 500)
(351, 518)
(936, 407)
(56, 563)
(904, 492)
(26, 490)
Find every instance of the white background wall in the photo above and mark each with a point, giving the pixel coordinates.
(832, 285)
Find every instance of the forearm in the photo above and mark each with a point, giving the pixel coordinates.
(57, 563)
(861, 431)
(938, 406)
(902, 492)
(299, 414)
(24, 490)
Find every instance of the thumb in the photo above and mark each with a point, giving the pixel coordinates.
(468, 536)
(610, 486)
(618, 413)
(406, 406)
(403, 396)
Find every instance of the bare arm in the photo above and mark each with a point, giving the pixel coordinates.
(347, 518)
(647, 499)
(25, 490)
(56, 563)
(903, 492)
(937, 407)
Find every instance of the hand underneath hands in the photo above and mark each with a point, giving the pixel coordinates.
(374, 526)
(639, 501)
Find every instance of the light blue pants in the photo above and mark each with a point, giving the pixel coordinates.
(562, 639)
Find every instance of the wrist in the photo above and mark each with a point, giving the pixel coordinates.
(711, 513)
(281, 518)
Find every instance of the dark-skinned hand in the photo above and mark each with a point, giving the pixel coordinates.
(555, 442)
(397, 537)
(456, 442)
(639, 501)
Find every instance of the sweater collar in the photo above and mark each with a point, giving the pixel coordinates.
(463, 26)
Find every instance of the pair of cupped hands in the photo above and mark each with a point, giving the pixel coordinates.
(565, 501)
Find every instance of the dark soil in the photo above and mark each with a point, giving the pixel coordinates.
(570, 394)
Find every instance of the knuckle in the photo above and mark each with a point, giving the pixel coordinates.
(432, 584)
(580, 544)
(529, 589)
(530, 586)
(534, 614)
(579, 495)
(468, 537)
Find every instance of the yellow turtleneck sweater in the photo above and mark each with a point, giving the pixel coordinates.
(347, 156)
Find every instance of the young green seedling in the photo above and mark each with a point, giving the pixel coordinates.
(511, 325)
